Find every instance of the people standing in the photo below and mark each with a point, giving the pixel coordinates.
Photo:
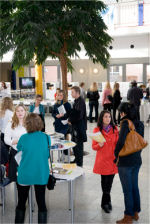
(5, 117)
(61, 119)
(134, 96)
(83, 93)
(129, 166)
(107, 93)
(79, 124)
(38, 108)
(35, 171)
(116, 102)
(4, 90)
(104, 164)
(93, 96)
(13, 131)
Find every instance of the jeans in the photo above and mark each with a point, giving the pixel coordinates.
(129, 181)
(23, 192)
(93, 104)
(106, 183)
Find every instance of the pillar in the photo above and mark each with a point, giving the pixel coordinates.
(38, 79)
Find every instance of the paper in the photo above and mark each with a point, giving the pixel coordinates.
(18, 157)
(64, 122)
(98, 137)
(69, 166)
(61, 109)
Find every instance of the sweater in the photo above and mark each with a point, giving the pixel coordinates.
(33, 168)
(135, 158)
(106, 93)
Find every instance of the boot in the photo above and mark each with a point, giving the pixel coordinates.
(42, 217)
(126, 220)
(136, 216)
(19, 217)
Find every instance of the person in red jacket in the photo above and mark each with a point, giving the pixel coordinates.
(104, 164)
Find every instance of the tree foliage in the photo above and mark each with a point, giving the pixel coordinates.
(53, 28)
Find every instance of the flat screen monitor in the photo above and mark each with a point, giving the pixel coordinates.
(27, 82)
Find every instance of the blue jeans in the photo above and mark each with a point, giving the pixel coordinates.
(129, 181)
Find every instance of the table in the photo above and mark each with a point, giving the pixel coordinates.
(70, 178)
(68, 145)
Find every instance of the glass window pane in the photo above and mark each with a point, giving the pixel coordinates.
(32, 71)
(148, 72)
(50, 73)
(134, 72)
(116, 73)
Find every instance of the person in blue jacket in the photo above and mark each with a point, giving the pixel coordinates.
(61, 119)
(33, 168)
(38, 108)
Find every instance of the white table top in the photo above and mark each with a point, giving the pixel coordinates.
(67, 144)
(73, 173)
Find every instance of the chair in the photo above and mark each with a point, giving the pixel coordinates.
(5, 182)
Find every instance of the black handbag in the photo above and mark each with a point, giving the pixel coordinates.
(51, 180)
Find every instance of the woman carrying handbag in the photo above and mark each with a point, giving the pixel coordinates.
(33, 168)
(129, 166)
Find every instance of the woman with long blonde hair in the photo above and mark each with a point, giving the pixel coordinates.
(106, 103)
(93, 96)
(116, 102)
(6, 114)
(14, 130)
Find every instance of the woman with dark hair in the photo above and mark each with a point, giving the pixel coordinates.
(128, 166)
(116, 102)
(104, 164)
(33, 171)
(38, 108)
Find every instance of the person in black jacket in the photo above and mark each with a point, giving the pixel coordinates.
(93, 96)
(134, 96)
(116, 102)
(128, 166)
(148, 90)
(79, 124)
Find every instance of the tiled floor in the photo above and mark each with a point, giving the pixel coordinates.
(87, 194)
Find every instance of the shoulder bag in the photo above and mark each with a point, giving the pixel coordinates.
(51, 180)
(134, 142)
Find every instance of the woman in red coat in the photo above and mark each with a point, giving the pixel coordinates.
(104, 164)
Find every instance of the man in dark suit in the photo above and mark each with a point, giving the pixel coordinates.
(134, 96)
(148, 90)
(79, 124)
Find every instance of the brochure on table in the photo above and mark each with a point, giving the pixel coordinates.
(71, 171)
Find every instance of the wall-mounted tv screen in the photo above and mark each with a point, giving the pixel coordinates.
(27, 82)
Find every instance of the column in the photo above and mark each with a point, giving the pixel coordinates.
(38, 79)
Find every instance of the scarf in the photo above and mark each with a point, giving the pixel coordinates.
(107, 128)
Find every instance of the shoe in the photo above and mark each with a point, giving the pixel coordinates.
(110, 206)
(19, 217)
(106, 208)
(42, 217)
(126, 220)
(136, 216)
(74, 161)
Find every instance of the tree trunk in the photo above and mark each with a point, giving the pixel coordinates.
(63, 64)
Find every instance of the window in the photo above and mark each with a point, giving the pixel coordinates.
(134, 72)
(116, 73)
(50, 74)
(148, 72)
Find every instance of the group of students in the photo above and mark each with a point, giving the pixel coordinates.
(24, 133)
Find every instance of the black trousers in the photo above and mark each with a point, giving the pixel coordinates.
(23, 192)
(78, 152)
(114, 116)
(93, 104)
(107, 106)
(106, 184)
(138, 112)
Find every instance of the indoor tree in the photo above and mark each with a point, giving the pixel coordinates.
(38, 29)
